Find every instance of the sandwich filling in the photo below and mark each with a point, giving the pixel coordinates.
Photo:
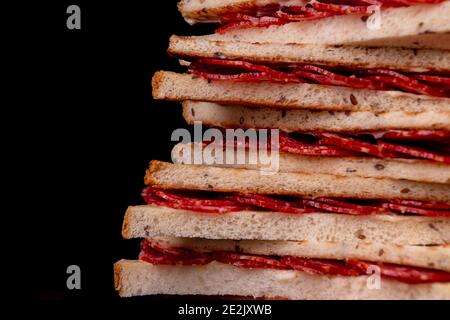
(222, 203)
(156, 253)
(431, 145)
(424, 82)
(278, 14)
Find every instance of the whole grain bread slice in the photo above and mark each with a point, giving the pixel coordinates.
(181, 87)
(207, 178)
(331, 55)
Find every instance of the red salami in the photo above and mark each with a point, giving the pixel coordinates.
(303, 14)
(151, 197)
(415, 135)
(423, 205)
(414, 151)
(412, 275)
(320, 266)
(242, 21)
(404, 82)
(413, 210)
(269, 203)
(326, 77)
(339, 209)
(366, 209)
(290, 145)
(356, 145)
(248, 261)
(373, 79)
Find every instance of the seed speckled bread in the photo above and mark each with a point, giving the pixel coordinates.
(180, 87)
(408, 169)
(297, 120)
(155, 221)
(206, 178)
(137, 278)
(351, 56)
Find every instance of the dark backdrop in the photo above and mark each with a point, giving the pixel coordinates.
(97, 128)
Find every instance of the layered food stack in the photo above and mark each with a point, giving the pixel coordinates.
(360, 207)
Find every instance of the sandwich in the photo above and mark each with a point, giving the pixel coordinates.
(312, 77)
(278, 270)
(392, 125)
(234, 232)
(358, 206)
(387, 23)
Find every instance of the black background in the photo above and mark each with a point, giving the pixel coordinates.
(91, 129)
(97, 129)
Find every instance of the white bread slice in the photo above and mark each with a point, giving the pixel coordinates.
(351, 56)
(296, 120)
(418, 26)
(181, 87)
(413, 170)
(152, 221)
(137, 278)
(207, 178)
(432, 257)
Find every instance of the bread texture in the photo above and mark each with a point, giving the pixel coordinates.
(331, 55)
(417, 26)
(299, 120)
(432, 257)
(154, 221)
(137, 278)
(181, 87)
(206, 178)
(407, 169)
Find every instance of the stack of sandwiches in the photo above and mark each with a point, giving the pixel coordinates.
(357, 95)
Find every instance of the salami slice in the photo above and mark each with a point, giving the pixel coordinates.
(156, 258)
(415, 135)
(269, 203)
(411, 275)
(413, 210)
(404, 82)
(148, 245)
(414, 151)
(423, 205)
(339, 209)
(342, 9)
(290, 145)
(320, 266)
(433, 79)
(152, 196)
(356, 145)
(248, 261)
(248, 22)
(343, 204)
